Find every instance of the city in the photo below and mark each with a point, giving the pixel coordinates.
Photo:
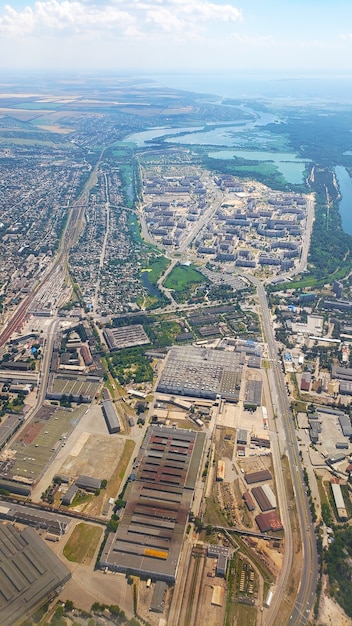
(175, 435)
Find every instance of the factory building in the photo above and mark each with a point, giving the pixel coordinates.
(150, 535)
(221, 553)
(202, 373)
(30, 573)
(51, 522)
(125, 337)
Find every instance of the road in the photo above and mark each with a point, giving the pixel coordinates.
(309, 573)
(45, 364)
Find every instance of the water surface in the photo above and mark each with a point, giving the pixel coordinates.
(345, 205)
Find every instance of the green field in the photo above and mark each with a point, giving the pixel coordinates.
(183, 276)
(8, 141)
(83, 543)
(156, 268)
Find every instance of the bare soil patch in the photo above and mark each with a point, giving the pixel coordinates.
(330, 613)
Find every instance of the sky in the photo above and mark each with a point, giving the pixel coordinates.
(291, 36)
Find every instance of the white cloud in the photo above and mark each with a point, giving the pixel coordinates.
(117, 17)
(52, 17)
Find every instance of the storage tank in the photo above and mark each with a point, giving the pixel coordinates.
(268, 599)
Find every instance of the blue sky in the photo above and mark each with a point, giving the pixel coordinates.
(177, 35)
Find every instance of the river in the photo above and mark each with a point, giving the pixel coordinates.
(153, 290)
(241, 133)
(222, 134)
(345, 205)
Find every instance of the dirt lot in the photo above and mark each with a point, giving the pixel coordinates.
(207, 613)
(95, 456)
(99, 457)
(224, 439)
(256, 464)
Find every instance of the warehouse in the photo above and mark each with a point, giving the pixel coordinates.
(13, 486)
(111, 419)
(158, 599)
(87, 483)
(253, 394)
(342, 445)
(345, 424)
(346, 387)
(339, 502)
(220, 474)
(269, 522)
(68, 497)
(257, 477)
(249, 501)
(265, 497)
(30, 573)
(218, 594)
(149, 538)
(8, 427)
(335, 458)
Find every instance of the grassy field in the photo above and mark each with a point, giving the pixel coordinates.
(246, 615)
(182, 276)
(156, 268)
(83, 543)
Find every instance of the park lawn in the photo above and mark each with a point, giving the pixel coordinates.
(83, 543)
(182, 276)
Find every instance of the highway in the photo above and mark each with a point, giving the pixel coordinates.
(309, 574)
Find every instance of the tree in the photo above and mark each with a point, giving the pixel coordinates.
(198, 524)
(112, 526)
(69, 606)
